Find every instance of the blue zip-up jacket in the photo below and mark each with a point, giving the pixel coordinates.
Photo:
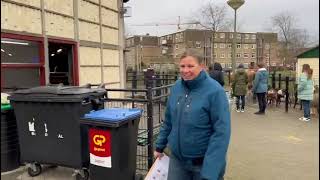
(260, 83)
(197, 124)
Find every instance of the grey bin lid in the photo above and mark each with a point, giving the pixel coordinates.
(56, 94)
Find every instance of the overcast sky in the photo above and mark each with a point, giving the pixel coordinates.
(254, 15)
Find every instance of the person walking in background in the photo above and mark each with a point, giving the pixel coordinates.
(196, 128)
(215, 72)
(305, 91)
(251, 73)
(239, 85)
(260, 87)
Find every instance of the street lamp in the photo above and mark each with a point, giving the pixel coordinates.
(234, 4)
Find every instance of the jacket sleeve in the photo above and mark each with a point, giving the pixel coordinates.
(215, 156)
(255, 82)
(164, 130)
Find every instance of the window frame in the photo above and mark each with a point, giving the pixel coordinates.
(40, 65)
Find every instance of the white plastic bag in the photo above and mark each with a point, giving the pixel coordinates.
(159, 169)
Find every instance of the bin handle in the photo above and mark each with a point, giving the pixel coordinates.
(88, 85)
(102, 85)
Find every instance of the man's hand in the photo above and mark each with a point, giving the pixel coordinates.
(157, 155)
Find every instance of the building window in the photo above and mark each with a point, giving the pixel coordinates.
(253, 55)
(231, 36)
(214, 55)
(215, 35)
(245, 46)
(238, 36)
(253, 36)
(229, 55)
(246, 36)
(222, 35)
(222, 45)
(245, 55)
(22, 62)
(238, 55)
(215, 46)
(222, 55)
(267, 55)
(229, 46)
(267, 46)
(198, 44)
(253, 46)
(238, 45)
(177, 46)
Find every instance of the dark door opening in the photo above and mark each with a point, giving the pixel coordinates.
(60, 63)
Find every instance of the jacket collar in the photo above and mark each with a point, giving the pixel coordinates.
(193, 84)
(262, 69)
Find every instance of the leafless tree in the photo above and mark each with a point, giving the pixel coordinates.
(292, 38)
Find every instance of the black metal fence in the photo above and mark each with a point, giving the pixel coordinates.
(138, 80)
(152, 100)
(288, 85)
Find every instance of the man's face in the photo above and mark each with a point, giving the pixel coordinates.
(189, 68)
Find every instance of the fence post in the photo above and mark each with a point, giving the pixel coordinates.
(158, 84)
(176, 76)
(134, 80)
(229, 77)
(273, 80)
(150, 127)
(279, 81)
(287, 93)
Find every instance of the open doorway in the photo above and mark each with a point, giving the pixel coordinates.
(60, 63)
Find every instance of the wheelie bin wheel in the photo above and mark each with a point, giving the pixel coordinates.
(139, 177)
(34, 171)
(84, 176)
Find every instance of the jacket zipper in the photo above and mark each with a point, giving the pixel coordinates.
(181, 113)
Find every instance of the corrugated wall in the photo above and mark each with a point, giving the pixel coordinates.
(99, 58)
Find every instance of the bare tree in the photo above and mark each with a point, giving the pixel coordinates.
(213, 17)
(292, 38)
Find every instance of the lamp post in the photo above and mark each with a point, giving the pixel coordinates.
(234, 4)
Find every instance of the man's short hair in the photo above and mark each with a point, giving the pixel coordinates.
(192, 53)
(260, 64)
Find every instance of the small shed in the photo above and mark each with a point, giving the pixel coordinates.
(310, 57)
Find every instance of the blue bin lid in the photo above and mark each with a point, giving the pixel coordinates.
(114, 116)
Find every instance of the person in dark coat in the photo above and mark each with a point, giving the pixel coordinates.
(215, 72)
(239, 85)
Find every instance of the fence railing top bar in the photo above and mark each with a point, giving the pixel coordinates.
(159, 97)
(162, 87)
(128, 90)
(126, 100)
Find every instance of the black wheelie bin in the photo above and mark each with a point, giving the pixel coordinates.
(49, 129)
(112, 143)
(10, 154)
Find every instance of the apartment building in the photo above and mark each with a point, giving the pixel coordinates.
(217, 47)
(142, 51)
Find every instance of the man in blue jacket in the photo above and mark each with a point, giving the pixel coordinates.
(260, 87)
(197, 124)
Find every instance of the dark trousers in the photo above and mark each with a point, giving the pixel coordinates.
(262, 102)
(243, 101)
